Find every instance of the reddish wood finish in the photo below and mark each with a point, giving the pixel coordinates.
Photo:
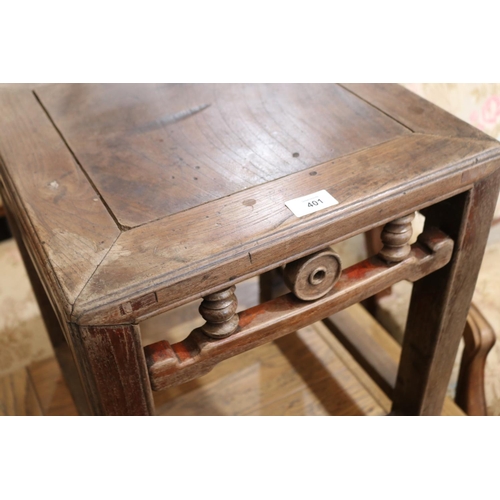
(440, 301)
(170, 365)
(134, 199)
(373, 245)
(114, 370)
(479, 338)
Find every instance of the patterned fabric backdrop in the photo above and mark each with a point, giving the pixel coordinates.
(479, 105)
(475, 103)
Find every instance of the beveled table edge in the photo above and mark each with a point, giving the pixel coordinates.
(319, 230)
(92, 309)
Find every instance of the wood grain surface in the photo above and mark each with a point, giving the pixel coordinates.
(197, 354)
(253, 230)
(440, 301)
(417, 114)
(51, 388)
(65, 224)
(306, 373)
(155, 150)
(111, 360)
(134, 199)
(63, 199)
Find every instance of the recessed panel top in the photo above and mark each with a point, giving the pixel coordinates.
(158, 149)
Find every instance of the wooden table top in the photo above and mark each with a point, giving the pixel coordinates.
(136, 198)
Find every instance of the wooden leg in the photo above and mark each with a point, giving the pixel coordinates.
(55, 328)
(440, 301)
(113, 367)
(479, 338)
(104, 367)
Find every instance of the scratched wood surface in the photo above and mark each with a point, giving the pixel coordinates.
(253, 230)
(111, 360)
(83, 163)
(173, 364)
(67, 228)
(159, 149)
(121, 225)
(305, 373)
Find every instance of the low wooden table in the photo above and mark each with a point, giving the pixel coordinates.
(130, 200)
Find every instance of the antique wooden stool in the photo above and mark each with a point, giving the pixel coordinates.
(130, 200)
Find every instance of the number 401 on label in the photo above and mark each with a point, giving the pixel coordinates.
(311, 203)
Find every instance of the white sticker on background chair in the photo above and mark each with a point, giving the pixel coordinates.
(311, 203)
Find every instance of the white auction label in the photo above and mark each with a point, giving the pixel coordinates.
(311, 203)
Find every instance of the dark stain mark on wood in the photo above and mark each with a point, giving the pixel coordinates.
(174, 118)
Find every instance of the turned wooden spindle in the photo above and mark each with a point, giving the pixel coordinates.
(313, 276)
(396, 239)
(219, 311)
